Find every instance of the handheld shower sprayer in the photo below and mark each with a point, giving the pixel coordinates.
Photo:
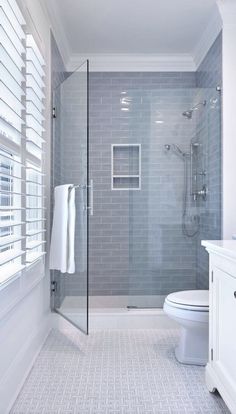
(184, 156)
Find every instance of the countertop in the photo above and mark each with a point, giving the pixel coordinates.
(225, 247)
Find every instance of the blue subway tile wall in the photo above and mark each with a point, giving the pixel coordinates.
(209, 76)
(58, 75)
(136, 241)
(209, 73)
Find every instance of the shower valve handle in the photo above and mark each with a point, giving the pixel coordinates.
(203, 192)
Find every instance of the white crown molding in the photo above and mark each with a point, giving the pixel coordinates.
(57, 30)
(110, 62)
(134, 62)
(208, 37)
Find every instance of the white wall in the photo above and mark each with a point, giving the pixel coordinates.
(25, 318)
(227, 10)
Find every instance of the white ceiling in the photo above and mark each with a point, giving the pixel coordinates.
(129, 26)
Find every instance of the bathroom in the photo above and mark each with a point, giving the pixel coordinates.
(118, 258)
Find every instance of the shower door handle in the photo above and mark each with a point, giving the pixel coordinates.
(90, 198)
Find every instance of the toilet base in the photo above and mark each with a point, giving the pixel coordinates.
(193, 346)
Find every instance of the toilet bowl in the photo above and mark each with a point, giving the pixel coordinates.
(190, 309)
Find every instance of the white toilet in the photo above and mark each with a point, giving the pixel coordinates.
(190, 309)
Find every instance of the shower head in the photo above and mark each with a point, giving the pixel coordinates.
(177, 150)
(189, 113)
(174, 148)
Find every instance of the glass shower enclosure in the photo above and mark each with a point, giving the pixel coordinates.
(71, 166)
(154, 155)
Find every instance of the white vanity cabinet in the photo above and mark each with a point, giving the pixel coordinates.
(221, 368)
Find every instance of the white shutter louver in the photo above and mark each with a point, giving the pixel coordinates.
(22, 214)
(35, 210)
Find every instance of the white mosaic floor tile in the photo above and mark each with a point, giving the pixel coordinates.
(114, 372)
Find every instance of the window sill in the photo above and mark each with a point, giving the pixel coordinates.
(14, 271)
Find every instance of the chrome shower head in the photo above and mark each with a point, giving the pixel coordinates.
(189, 113)
(174, 148)
(177, 150)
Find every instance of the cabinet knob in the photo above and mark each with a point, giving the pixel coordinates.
(235, 294)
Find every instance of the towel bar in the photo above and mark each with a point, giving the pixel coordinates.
(84, 187)
(81, 186)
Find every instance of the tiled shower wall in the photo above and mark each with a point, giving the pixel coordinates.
(209, 75)
(58, 75)
(136, 241)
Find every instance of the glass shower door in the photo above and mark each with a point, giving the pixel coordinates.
(71, 162)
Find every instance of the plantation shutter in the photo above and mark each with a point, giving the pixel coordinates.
(22, 215)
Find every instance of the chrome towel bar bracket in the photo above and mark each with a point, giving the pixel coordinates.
(84, 187)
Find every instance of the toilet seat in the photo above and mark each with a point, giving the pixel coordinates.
(193, 300)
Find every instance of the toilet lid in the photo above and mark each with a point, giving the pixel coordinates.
(190, 298)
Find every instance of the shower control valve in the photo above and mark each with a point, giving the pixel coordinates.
(203, 192)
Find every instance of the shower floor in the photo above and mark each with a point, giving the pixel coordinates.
(106, 312)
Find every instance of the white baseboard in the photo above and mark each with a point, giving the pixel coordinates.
(13, 380)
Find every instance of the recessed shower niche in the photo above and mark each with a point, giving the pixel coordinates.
(126, 167)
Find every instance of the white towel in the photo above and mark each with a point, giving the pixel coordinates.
(62, 251)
